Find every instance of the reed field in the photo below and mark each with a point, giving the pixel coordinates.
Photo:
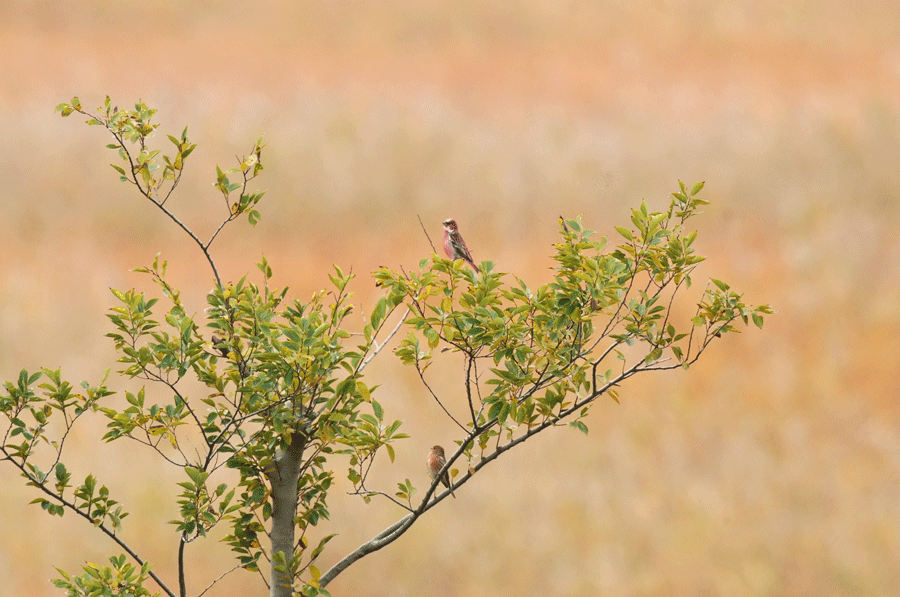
(770, 468)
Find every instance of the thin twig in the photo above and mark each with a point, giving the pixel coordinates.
(470, 361)
(426, 234)
(384, 342)
(438, 400)
(223, 575)
(363, 491)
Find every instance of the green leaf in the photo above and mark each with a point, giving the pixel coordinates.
(379, 411)
(378, 313)
(758, 320)
(503, 414)
(197, 476)
(722, 285)
(625, 232)
(579, 426)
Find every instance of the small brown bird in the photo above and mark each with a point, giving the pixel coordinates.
(220, 345)
(436, 462)
(454, 245)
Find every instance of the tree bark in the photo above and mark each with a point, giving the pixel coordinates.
(284, 476)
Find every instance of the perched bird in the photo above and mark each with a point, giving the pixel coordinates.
(454, 245)
(220, 345)
(436, 462)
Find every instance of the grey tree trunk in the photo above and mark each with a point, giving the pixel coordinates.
(284, 477)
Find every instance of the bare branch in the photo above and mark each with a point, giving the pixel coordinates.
(426, 233)
(363, 491)
(220, 577)
(384, 342)
(438, 400)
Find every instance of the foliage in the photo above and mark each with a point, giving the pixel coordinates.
(284, 391)
(536, 357)
(121, 578)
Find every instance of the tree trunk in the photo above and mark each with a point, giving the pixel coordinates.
(284, 477)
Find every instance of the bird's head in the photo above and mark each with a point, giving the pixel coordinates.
(437, 449)
(450, 225)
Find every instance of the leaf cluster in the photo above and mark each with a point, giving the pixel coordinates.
(132, 131)
(122, 578)
(275, 373)
(536, 356)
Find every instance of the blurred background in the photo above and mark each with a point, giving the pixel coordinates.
(772, 467)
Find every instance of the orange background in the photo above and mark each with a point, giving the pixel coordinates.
(770, 468)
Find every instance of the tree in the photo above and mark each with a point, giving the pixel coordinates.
(287, 399)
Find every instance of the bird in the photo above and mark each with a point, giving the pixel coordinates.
(454, 245)
(436, 462)
(220, 345)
